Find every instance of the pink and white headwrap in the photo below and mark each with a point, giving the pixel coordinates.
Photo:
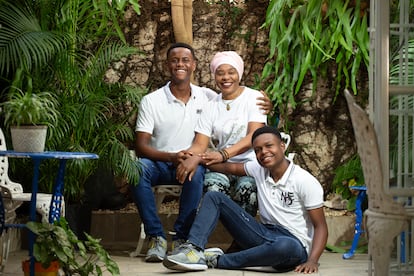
(230, 58)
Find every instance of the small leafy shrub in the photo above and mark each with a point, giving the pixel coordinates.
(58, 242)
(347, 175)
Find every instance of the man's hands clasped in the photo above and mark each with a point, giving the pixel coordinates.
(188, 162)
(187, 165)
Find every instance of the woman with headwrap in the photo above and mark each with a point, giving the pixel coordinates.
(231, 119)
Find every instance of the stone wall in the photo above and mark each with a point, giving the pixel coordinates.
(321, 130)
(215, 27)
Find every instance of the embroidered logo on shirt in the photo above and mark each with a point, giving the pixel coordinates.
(198, 111)
(287, 198)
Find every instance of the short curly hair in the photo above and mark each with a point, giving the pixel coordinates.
(266, 129)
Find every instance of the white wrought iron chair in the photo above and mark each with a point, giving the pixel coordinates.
(385, 218)
(161, 191)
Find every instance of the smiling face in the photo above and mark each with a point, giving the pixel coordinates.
(181, 64)
(227, 80)
(270, 150)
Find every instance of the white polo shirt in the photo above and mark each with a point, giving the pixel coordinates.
(287, 201)
(171, 122)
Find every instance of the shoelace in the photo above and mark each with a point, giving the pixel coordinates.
(186, 247)
(211, 260)
(156, 242)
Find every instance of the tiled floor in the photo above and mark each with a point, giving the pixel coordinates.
(332, 264)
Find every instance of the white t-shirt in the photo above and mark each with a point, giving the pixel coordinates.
(228, 127)
(171, 122)
(287, 201)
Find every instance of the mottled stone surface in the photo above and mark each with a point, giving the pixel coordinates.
(321, 131)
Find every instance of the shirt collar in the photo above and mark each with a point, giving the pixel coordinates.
(170, 97)
(284, 179)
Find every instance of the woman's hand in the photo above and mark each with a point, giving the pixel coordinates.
(212, 157)
(265, 103)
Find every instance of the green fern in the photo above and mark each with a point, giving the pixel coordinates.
(308, 37)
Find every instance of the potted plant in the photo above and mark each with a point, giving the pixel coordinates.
(51, 270)
(28, 115)
(57, 242)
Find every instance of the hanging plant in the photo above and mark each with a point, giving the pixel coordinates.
(306, 37)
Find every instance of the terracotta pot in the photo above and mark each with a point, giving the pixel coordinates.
(52, 270)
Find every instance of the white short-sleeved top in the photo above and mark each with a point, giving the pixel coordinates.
(171, 122)
(227, 127)
(287, 201)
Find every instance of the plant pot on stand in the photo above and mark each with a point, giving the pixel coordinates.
(29, 114)
(29, 138)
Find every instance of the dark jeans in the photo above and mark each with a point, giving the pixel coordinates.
(262, 245)
(155, 173)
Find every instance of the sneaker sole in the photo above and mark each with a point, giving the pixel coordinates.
(153, 259)
(171, 264)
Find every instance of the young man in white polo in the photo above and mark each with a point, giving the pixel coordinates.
(292, 233)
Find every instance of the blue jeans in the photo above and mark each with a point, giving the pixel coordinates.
(262, 245)
(155, 173)
(242, 189)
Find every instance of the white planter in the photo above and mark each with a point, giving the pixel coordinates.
(29, 138)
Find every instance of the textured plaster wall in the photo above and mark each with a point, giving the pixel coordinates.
(320, 127)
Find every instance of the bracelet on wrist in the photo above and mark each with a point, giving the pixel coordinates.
(226, 154)
(223, 156)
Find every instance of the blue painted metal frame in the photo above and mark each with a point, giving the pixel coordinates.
(362, 192)
(57, 197)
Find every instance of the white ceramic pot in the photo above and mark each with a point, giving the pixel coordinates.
(29, 138)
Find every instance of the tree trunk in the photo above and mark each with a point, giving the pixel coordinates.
(182, 18)
(188, 20)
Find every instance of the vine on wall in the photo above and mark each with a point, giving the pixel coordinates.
(305, 37)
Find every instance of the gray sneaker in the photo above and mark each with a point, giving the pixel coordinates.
(157, 250)
(186, 258)
(211, 255)
(176, 244)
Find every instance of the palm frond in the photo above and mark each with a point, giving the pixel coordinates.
(95, 115)
(23, 43)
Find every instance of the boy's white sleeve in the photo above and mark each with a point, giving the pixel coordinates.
(251, 167)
